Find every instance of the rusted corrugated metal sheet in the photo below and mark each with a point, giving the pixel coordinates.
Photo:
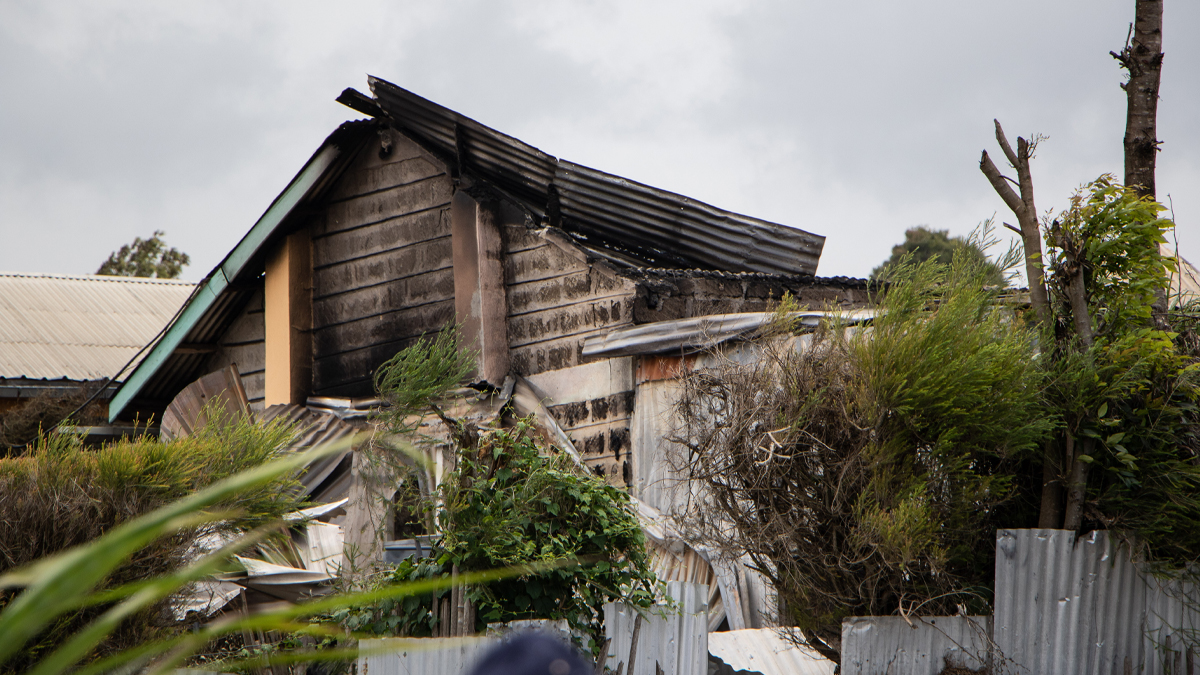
(768, 651)
(1067, 604)
(80, 327)
(881, 645)
(327, 479)
(660, 228)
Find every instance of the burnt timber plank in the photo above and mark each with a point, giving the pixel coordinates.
(390, 296)
(580, 317)
(425, 256)
(365, 180)
(387, 235)
(382, 329)
(384, 204)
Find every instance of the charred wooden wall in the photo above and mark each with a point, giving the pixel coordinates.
(665, 295)
(244, 344)
(555, 300)
(382, 272)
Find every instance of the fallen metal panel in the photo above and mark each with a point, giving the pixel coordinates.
(659, 228)
(882, 645)
(699, 333)
(768, 651)
(1067, 604)
(676, 641)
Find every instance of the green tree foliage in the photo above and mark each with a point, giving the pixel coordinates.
(921, 244)
(1126, 403)
(146, 258)
(506, 504)
(60, 495)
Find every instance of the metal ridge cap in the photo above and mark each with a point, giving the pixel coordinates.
(98, 278)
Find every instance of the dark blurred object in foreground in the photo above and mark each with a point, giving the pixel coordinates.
(532, 654)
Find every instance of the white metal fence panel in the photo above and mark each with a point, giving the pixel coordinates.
(1081, 605)
(889, 645)
(422, 656)
(677, 640)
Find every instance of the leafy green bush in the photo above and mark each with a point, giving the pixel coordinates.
(61, 495)
(508, 504)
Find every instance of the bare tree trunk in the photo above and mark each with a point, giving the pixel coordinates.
(1081, 319)
(1142, 57)
(1050, 515)
(1077, 483)
(1022, 206)
(1026, 212)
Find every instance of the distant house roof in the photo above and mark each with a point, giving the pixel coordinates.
(85, 327)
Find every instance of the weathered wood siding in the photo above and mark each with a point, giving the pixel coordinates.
(244, 344)
(382, 271)
(555, 300)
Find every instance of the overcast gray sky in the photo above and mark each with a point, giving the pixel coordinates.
(854, 119)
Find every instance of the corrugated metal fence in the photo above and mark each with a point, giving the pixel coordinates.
(874, 645)
(1063, 605)
(677, 641)
(1080, 605)
(674, 639)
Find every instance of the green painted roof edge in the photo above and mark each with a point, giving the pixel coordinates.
(220, 277)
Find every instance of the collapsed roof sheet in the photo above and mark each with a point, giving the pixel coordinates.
(662, 228)
(81, 327)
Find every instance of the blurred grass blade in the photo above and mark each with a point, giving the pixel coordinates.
(85, 640)
(56, 584)
(283, 620)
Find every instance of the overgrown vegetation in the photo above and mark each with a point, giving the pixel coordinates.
(867, 472)
(1125, 390)
(509, 500)
(60, 495)
(857, 472)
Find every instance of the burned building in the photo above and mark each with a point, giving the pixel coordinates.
(417, 217)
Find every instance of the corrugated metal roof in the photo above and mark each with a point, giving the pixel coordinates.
(661, 228)
(766, 651)
(81, 327)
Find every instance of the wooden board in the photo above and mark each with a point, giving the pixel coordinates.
(408, 261)
(388, 235)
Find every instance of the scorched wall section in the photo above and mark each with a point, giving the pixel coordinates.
(556, 298)
(382, 272)
(244, 344)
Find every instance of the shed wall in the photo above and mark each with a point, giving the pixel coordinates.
(244, 344)
(382, 272)
(556, 299)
